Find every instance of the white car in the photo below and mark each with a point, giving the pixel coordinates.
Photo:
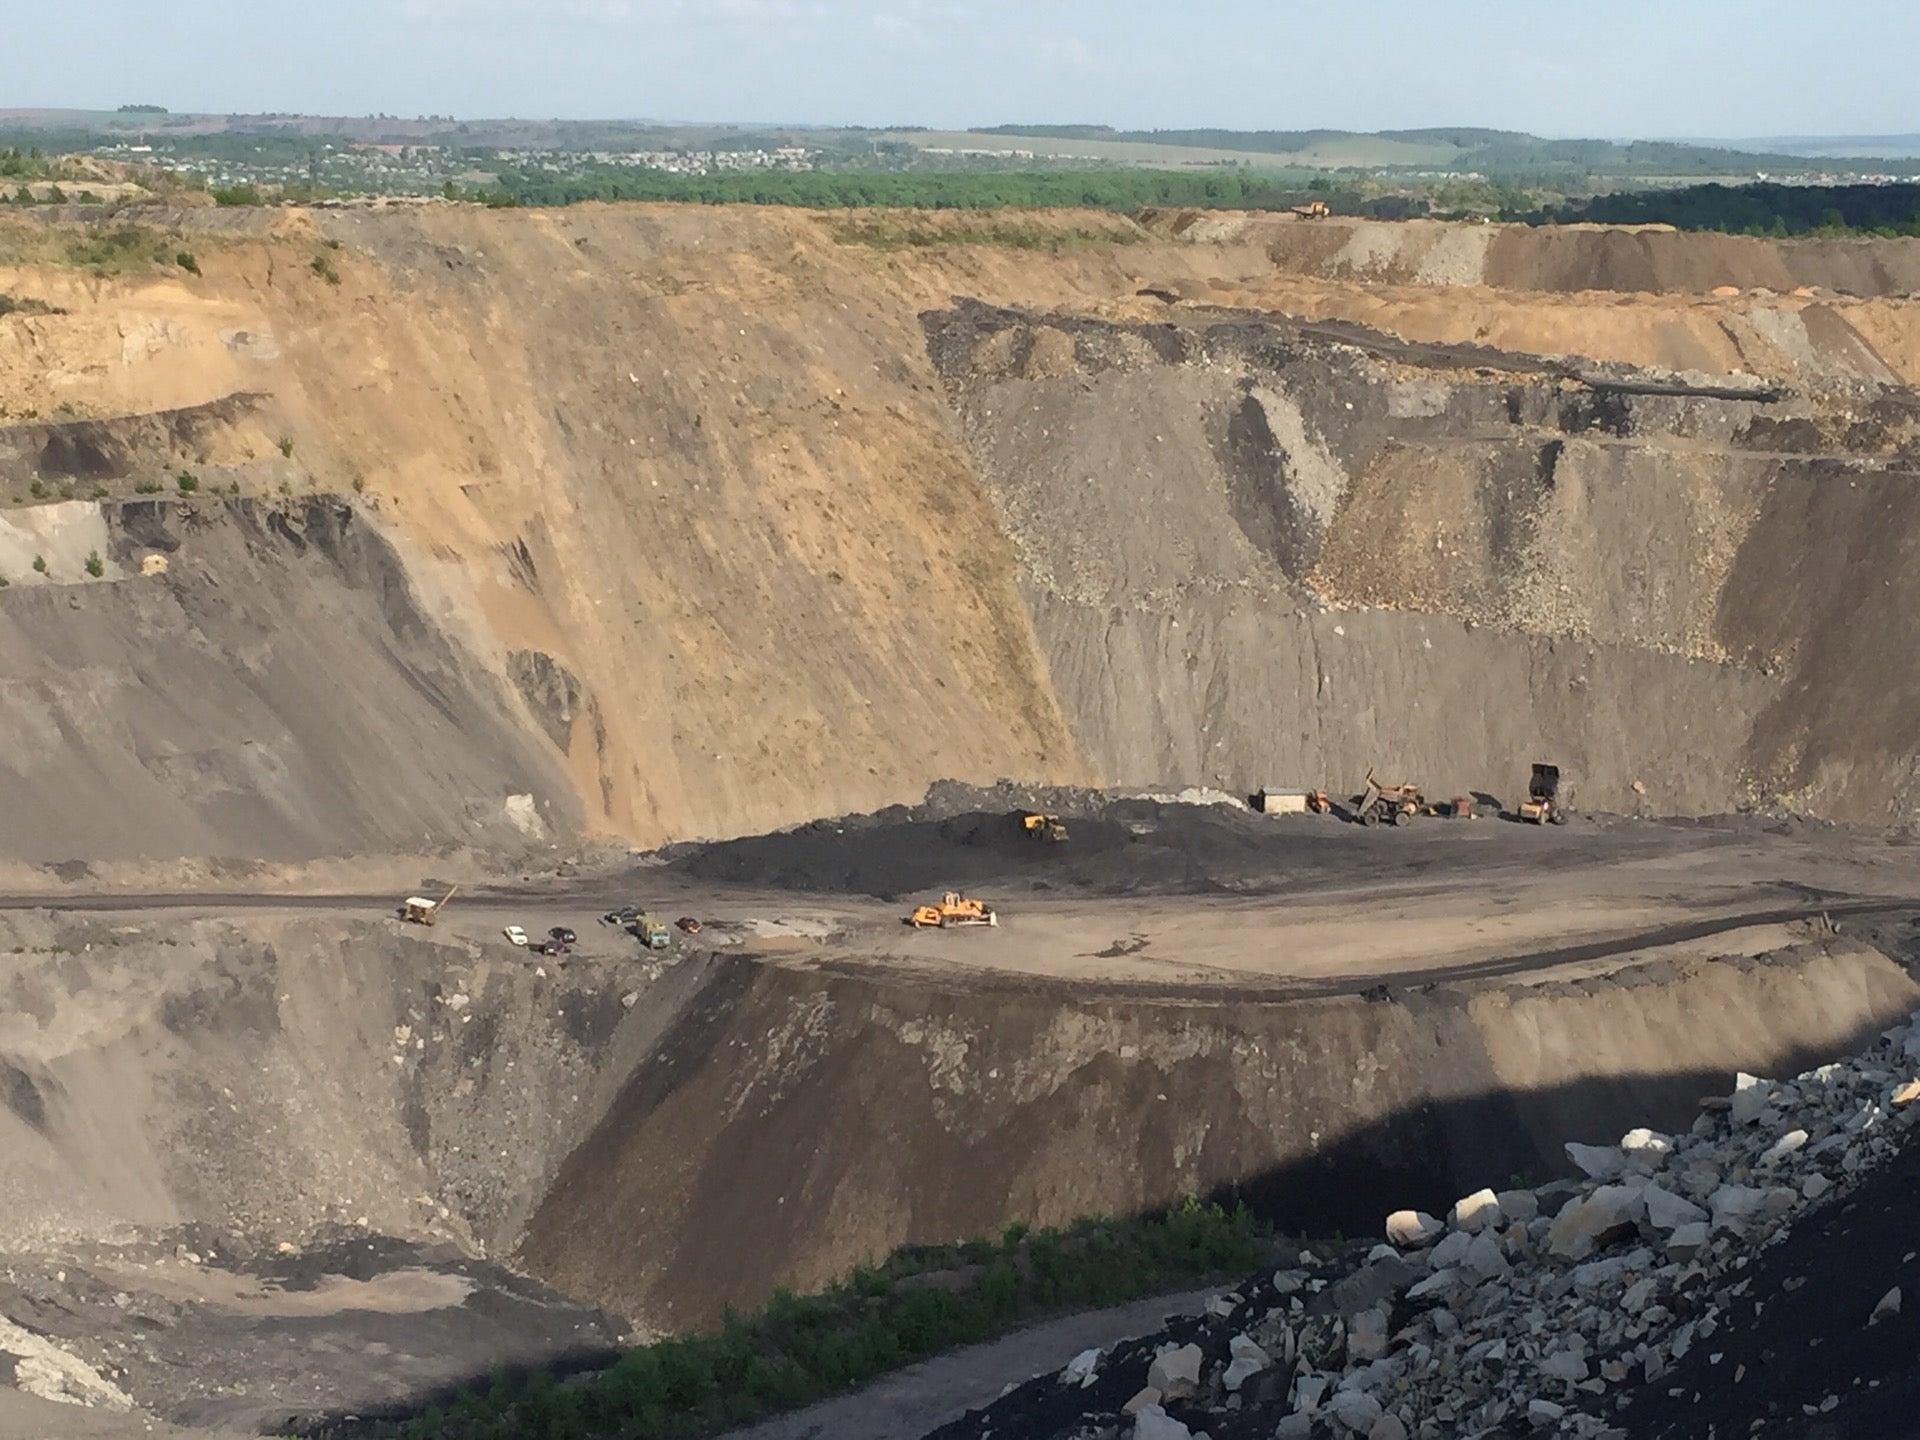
(515, 936)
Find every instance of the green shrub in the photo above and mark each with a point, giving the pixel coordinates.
(37, 490)
(802, 1348)
(186, 261)
(40, 564)
(96, 567)
(323, 267)
(147, 487)
(286, 447)
(187, 482)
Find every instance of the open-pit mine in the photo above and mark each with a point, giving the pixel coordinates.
(714, 586)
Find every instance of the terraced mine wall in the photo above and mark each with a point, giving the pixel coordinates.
(791, 1126)
(667, 1146)
(1259, 548)
(689, 522)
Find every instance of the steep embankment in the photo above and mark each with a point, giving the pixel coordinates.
(1264, 552)
(792, 1125)
(688, 484)
(695, 527)
(277, 692)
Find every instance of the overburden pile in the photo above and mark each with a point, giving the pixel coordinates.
(1633, 1302)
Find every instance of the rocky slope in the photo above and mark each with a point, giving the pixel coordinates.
(1660, 1295)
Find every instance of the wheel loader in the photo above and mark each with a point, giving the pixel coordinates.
(954, 909)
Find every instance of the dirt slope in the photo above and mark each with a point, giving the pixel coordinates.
(792, 1125)
(279, 693)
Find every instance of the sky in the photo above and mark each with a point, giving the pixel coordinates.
(1613, 68)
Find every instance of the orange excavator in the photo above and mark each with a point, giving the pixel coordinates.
(954, 909)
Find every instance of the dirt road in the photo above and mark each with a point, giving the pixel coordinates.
(924, 1396)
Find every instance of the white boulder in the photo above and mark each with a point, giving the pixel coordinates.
(1476, 1212)
(1175, 1371)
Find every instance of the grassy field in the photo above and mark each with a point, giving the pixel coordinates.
(801, 1349)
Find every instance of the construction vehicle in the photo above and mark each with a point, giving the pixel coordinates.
(650, 930)
(1391, 804)
(954, 909)
(1312, 210)
(1542, 805)
(418, 910)
(1050, 828)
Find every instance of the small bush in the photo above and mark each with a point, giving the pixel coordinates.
(37, 490)
(231, 195)
(4, 582)
(359, 484)
(100, 492)
(40, 564)
(286, 447)
(147, 487)
(186, 262)
(96, 567)
(323, 267)
(187, 482)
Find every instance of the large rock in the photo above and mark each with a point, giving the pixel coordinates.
(1367, 1335)
(1599, 1162)
(1687, 1241)
(1736, 1204)
(1749, 1098)
(1783, 1147)
(1451, 1250)
(1583, 1225)
(1245, 1360)
(1519, 1205)
(1175, 1371)
(1410, 1229)
(1668, 1211)
(1476, 1212)
(1484, 1259)
(1645, 1149)
(1153, 1423)
(1355, 1409)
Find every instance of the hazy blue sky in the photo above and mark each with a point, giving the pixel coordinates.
(1594, 67)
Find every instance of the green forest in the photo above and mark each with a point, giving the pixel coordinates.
(929, 190)
(1776, 210)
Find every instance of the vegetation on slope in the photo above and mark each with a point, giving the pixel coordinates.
(801, 1349)
(1116, 189)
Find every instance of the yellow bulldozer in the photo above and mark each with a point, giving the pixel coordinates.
(1050, 828)
(954, 909)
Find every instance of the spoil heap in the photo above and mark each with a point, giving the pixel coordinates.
(1632, 1301)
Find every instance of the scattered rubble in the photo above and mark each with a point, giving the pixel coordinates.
(1550, 1311)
